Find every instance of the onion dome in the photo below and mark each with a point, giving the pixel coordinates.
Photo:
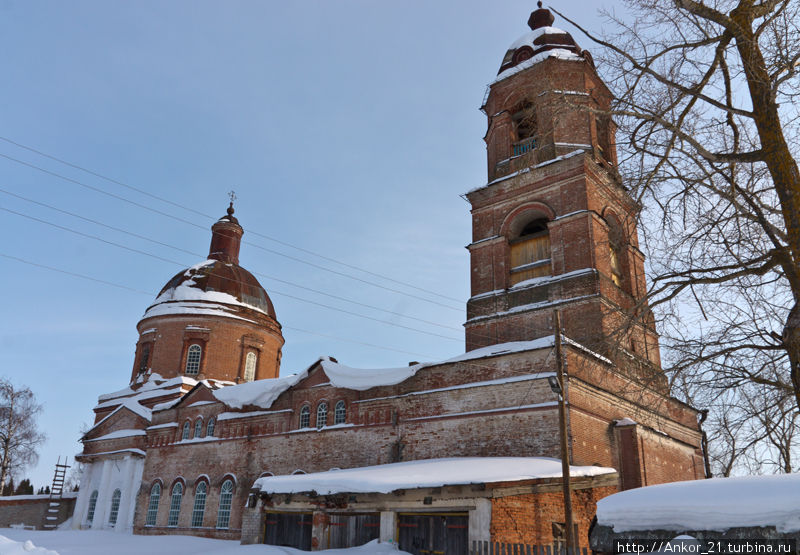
(542, 41)
(217, 286)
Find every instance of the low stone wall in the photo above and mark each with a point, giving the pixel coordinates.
(30, 510)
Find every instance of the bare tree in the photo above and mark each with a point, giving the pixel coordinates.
(706, 103)
(19, 436)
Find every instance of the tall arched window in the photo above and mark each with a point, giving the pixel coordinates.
(193, 359)
(305, 416)
(199, 505)
(530, 252)
(198, 427)
(144, 358)
(114, 512)
(185, 434)
(225, 502)
(526, 127)
(152, 505)
(250, 367)
(175, 505)
(322, 415)
(616, 251)
(92, 506)
(340, 413)
(210, 427)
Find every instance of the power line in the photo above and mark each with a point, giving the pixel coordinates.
(267, 276)
(150, 294)
(172, 203)
(183, 265)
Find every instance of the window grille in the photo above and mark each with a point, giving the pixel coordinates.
(305, 417)
(250, 367)
(112, 515)
(225, 502)
(92, 505)
(199, 505)
(210, 427)
(322, 415)
(185, 434)
(198, 428)
(152, 505)
(175, 505)
(340, 413)
(193, 359)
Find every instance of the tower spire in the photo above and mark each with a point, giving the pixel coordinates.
(226, 236)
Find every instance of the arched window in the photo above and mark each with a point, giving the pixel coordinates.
(199, 505)
(322, 415)
(250, 367)
(185, 434)
(114, 512)
(152, 505)
(340, 413)
(225, 502)
(526, 126)
(210, 427)
(92, 505)
(616, 251)
(193, 359)
(198, 427)
(144, 358)
(175, 505)
(530, 252)
(305, 416)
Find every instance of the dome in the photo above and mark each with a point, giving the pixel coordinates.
(541, 41)
(217, 286)
(221, 285)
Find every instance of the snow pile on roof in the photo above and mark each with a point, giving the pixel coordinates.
(715, 504)
(119, 434)
(528, 38)
(423, 474)
(10, 547)
(560, 53)
(362, 379)
(261, 393)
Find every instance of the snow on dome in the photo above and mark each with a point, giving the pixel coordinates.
(428, 473)
(528, 38)
(714, 504)
(212, 287)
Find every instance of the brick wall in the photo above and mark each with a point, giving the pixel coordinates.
(30, 510)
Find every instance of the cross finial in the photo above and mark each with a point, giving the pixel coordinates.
(232, 195)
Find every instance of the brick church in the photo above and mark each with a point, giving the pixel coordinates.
(208, 438)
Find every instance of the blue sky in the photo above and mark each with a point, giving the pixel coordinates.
(346, 128)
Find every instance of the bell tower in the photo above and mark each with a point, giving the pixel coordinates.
(554, 226)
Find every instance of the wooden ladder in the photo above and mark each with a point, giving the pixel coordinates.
(56, 490)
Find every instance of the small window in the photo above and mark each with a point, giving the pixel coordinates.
(305, 417)
(92, 505)
(193, 359)
(185, 434)
(144, 358)
(322, 415)
(175, 505)
(152, 505)
(225, 502)
(198, 428)
(210, 427)
(114, 512)
(340, 413)
(199, 505)
(250, 367)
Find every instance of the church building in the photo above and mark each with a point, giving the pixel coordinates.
(209, 439)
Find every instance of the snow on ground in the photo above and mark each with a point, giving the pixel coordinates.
(92, 542)
(385, 478)
(714, 504)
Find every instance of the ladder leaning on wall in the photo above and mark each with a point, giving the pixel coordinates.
(56, 491)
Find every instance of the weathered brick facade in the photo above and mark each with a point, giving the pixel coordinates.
(552, 229)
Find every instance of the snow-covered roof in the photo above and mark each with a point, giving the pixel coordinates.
(262, 393)
(560, 53)
(715, 504)
(119, 434)
(427, 473)
(129, 404)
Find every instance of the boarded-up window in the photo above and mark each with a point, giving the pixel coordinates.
(288, 530)
(250, 367)
(530, 253)
(433, 533)
(351, 530)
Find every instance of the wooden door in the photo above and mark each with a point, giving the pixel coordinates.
(288, 530)
(351, 530)
(433, 534)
